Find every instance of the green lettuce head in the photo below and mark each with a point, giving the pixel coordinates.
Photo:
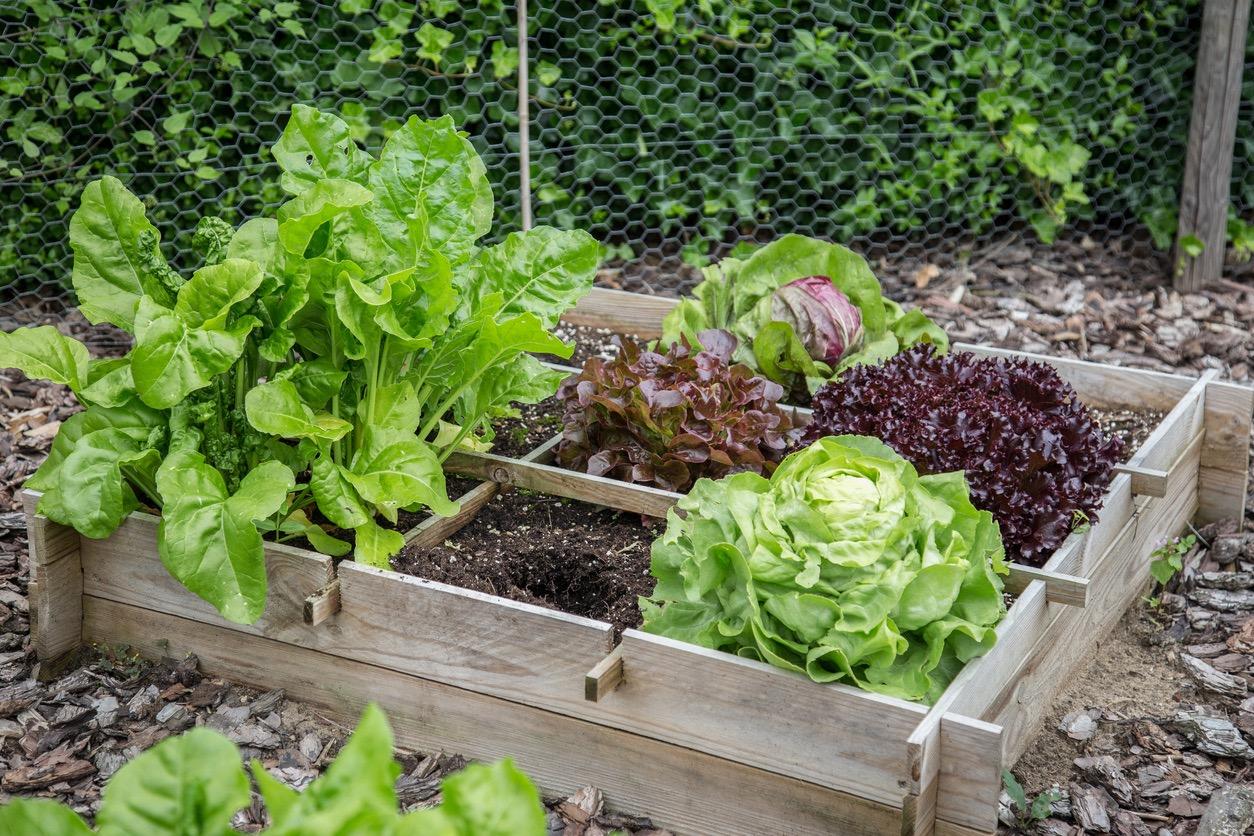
(845, 565)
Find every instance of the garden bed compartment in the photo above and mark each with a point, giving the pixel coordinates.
(701, 740)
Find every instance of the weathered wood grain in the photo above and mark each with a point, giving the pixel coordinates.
(618, 310)
(1212, 135)
(686, 791)
(760, 714)
(322, 604)
(638, 499)
(1224, 476)
(56, 587)
(126, 568)
(604, 677)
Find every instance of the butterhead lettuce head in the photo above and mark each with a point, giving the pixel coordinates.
(845, 565)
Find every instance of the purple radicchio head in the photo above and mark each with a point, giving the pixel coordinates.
(826, 322)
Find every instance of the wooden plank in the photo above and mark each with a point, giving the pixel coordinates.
(680, 789)
(1146, 481)
(322, 604)
(544, 478)
(1225, 457)
(1066, 637)
(1212, 134)
(730, 706)
(434, 530)
(1059, 588)
(125, 567)
(970, 772)
(605, 677)
(465, 638)
(618, 310)
(56, 588)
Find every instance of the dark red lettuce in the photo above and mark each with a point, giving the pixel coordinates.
(1033, 455)
(669, 419)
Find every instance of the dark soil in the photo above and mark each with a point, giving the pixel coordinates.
(547, 551)
(1132, 427)
(536, 424)
(589, 342)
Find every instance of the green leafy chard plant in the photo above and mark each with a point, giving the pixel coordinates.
(195, 783)
(356, 338)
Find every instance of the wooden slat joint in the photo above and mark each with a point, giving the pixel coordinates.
(1060, 588)
(605, 677)
(322, 604)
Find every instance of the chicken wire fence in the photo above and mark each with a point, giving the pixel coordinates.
(674, 130)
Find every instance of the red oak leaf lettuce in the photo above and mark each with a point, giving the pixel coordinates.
(668, 419)
(1033, 455)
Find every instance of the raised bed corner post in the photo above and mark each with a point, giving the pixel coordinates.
(1203, 218)
(55, 591)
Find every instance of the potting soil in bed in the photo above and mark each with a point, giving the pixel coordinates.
(547, 551)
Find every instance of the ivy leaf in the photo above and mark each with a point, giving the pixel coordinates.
(208, 539)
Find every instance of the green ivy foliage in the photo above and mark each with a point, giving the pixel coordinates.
(681, 119)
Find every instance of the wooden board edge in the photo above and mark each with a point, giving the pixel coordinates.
(684, 790)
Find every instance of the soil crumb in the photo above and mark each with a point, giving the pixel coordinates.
(534, 425)
(547, 551)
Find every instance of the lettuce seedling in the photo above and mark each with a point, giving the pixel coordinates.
(359, 336)
(195, 783)
(791, 330)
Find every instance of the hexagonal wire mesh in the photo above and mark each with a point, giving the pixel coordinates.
(672, 130)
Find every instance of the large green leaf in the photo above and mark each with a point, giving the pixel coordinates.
(207, 298)
(483, 800)
(82, 479)
(190, 785)
(114, 249)
(317, 146)
(40, 817)
(337, 499)
(543, 271)
(376, 544)
(207, 538)
(395, 469)
(257, 240)
(44, 353)
(431, 192)
(301, 216)
(109, 382)
(276, 408)
(172, 359)
(356, 794)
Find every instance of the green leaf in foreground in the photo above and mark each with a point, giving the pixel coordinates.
(40, 817)
(44, 353)
(190, 785)
(207, 538)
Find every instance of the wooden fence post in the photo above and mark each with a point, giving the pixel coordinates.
(524, 118)
(1212, 133)
(55, 590)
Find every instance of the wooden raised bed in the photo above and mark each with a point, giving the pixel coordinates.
(702, 741)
